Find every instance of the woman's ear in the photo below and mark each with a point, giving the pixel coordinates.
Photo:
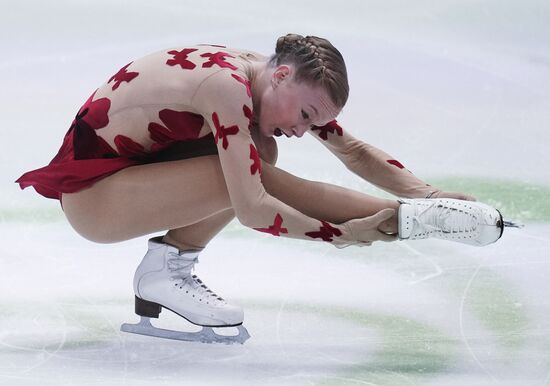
(281, 74)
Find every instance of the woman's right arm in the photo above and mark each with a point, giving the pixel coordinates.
(371, 163)
(227, 107)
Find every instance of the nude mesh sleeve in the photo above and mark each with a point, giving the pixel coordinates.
(371, 163)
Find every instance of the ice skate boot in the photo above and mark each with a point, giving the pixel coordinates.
(467, 222)
(164, 280)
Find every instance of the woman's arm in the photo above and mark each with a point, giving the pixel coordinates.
(376, 166)
(227, 108)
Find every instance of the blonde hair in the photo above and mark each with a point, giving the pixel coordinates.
(317, 63)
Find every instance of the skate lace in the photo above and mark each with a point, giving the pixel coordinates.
(443, 219)
(182, 268)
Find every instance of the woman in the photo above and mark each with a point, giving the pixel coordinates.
(183, 140)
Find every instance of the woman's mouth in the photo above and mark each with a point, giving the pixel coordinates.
(278, 132)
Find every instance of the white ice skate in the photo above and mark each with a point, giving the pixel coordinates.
(164, 279)
(468, 222)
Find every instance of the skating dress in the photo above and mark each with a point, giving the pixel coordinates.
(188, 101)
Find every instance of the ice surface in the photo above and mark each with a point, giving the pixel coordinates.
(457, 91)
(402, 313)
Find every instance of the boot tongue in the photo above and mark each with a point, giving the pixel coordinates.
(189, 254)
(452, 220)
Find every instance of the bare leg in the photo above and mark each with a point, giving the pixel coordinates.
(324, 201)
(339, 205)
(182, 194)
(196, 236)
(148, 198)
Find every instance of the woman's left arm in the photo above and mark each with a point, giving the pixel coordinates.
(376, 166)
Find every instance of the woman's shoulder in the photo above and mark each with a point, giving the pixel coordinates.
(206, 56)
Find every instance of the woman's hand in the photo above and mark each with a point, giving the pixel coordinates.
(456, 195)
(364, 231)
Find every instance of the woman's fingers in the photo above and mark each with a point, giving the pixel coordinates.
(365, 230)
(456, 195)
(380, 217)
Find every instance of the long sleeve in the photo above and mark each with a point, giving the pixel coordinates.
(224, 101)
(371, 163)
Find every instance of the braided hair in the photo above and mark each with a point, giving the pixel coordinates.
(317, 63)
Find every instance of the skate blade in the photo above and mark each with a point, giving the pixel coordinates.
(512, 224)
(206, 335)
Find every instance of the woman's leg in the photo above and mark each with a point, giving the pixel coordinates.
(149, 198)
(332, 203)
(190, 198)
(197, 236)
(325, 201)
(338, 205)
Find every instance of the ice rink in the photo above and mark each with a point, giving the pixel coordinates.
(458, 91)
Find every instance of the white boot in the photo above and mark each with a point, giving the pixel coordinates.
(164, 279)
(467, 222)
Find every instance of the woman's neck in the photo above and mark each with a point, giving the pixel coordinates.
(259, 81)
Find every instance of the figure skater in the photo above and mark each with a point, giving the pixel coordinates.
(183, 140)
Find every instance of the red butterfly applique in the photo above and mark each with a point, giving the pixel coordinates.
(395, 162)
(219, 59)
(276, 228)
(325, 232)
(246, 83)
(127, 147)
(331, 127)
(222, 132)
(85, 142)
(180, 57)
(248, 113)
(94, 113)
(123, 76)
(257, 164)
(180, 126)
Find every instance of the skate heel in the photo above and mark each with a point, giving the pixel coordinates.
(148, 309)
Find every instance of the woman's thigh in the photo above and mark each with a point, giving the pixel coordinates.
(148, 198)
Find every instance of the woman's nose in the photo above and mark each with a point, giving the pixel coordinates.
(299, 130)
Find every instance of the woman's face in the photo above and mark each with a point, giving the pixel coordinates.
(291, 108)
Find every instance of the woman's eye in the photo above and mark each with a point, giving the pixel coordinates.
(305, 115)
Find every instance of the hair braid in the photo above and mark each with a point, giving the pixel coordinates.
(317, 62)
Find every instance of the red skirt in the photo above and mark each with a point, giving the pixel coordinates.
(85, 158)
